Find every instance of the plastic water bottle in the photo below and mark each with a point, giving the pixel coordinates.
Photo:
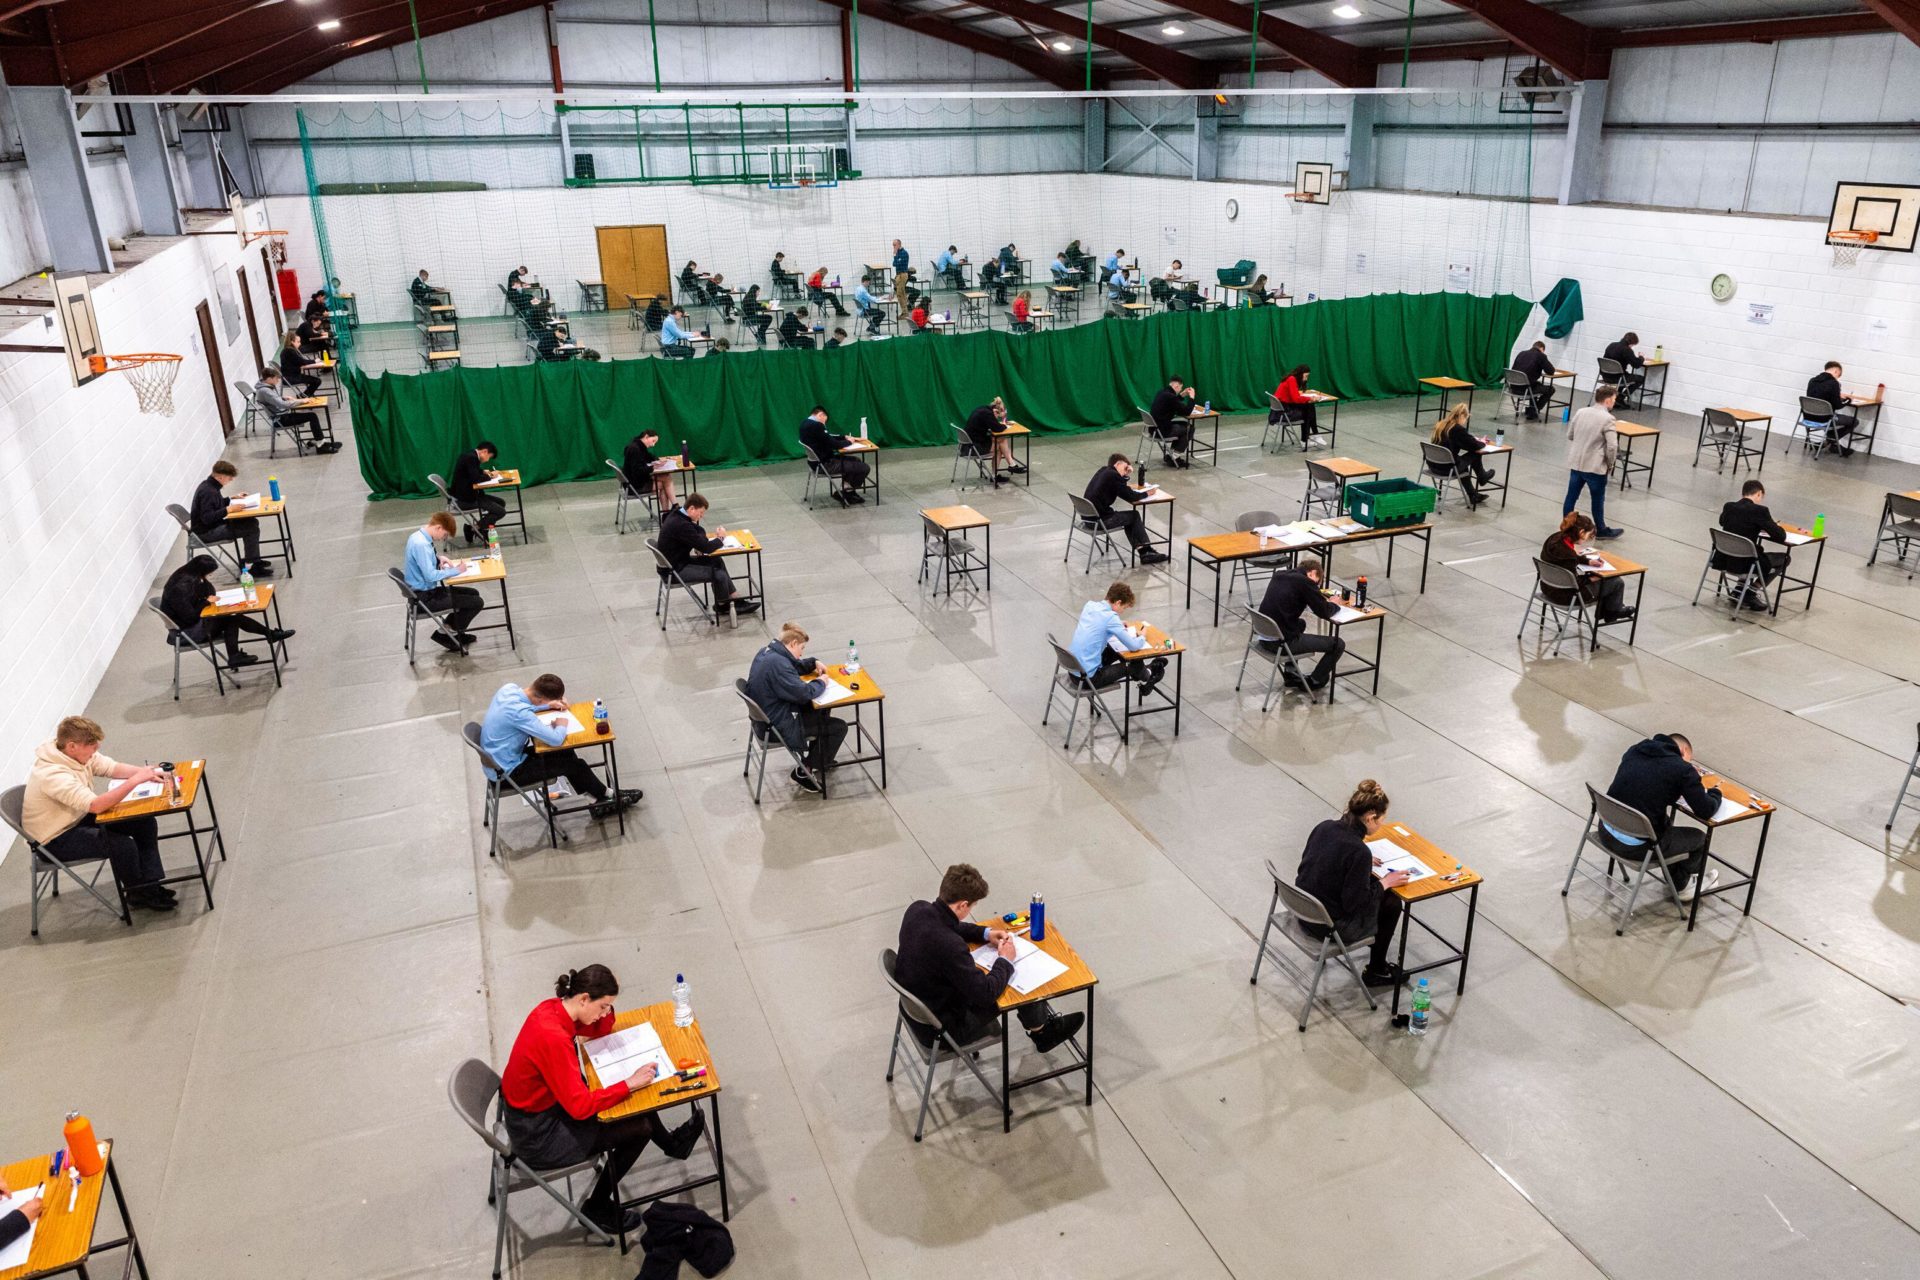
(1499, 435)
(1360, 588)
(493, 541)
(1820, 526)
(686, 456)
(1037, 918)
(273, 487)
(1659, 353)
(1209, 406)
(1422, 1002)
(863, 428)
(853, 658)
(600, 715)
(683, 1001)
(246, 585)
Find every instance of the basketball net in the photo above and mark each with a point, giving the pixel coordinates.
(276, 250)
(1848, 244)
(151, 373)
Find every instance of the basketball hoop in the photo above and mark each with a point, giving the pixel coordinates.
(151, 373)
(1848, 244)
(277, 250)
(1298, 199)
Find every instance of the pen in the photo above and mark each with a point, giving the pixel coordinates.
(73, 1173)
(691, 1088)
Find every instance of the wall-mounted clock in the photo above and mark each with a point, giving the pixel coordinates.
(1233, 210)
(1722, 287)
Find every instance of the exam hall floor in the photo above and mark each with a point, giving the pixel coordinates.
(1732, 1102)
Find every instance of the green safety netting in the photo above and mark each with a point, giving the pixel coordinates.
(560, 421)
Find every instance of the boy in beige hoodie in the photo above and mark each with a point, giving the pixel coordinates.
(60, 812)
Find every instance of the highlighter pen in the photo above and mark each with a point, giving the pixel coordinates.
(73, 1173)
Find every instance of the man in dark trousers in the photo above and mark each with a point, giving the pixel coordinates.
(208, 519)
(783, 682)
(935, 963)
(469, 470)
(293, 374)
(793, 330)
(1110, 484)
(1291, 593)
(1170, 409)
(1539, 370)
(1750, 518)
(688, 549)
(1633, 370)
(1825, 385)
(1653, 777)
(826, 447)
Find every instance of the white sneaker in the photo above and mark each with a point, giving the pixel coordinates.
(1706, 882)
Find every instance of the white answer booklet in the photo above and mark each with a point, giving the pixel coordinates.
(619, 1055)
(1032, 967)
(1393, 858)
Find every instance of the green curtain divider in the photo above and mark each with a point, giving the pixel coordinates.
(560, 421)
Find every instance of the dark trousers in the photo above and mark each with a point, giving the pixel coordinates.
(875, 317)
(132, 845)
(461, 604)
(1595, 483)
(224, 630)
(1328, 647)
(1114, 669)
(1300, 413)
(1131, 523)
(301, 418)
(822, 298)
(1609, 594)
(1690, 841)
(853, 472)
(714, 574)
(552, 1139)
(486, 510)
(1032, 1017)
(1384, 921)
(758, 324)
(825, 733)
(305, 383)
(244, 532)
(1538, 393)
(543, 767)
(1175, 437)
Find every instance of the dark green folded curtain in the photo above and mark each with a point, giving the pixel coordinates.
(560, 421)
(1562, 305)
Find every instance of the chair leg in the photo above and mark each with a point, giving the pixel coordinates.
(926, 1090)
(1072, 716)
(1346, 958)
(1261, 954)
(1313, 988)
(1912, 769)
(497, 1196)
(893, 1052)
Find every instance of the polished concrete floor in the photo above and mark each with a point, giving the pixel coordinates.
(1734, 1102)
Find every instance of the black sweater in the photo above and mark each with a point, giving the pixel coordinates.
(1653, 777)
(468, 471)
(1336, 868)
(209, 510)
(1824, 386)
(1169, 404)
(824, 443)
(1107, 487)
(184, 596)
(637, 464)
(1290, 593)
(936, 964)
(981, 424)
(12, 1227)
(681, 537)
(1626, 355)
(1534, 364)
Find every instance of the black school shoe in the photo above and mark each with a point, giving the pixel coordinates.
(240, 660)
(612, 1219)
(445, 641)
(1057, 1030)
(679, 1143)
(804, 781)
(152, 898)
(1383, 977)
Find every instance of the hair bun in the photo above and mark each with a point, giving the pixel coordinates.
(563, 985)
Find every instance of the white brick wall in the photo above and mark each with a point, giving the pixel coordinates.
(84, 478)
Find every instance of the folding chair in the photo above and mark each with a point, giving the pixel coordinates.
(498, 780)
(250, 418)
(1302, 908)
(1572, 615)
(279, 426)
(1439, 464)
(472, 1089)
(1069, 680)
(1100, 540)
(817, 476)
(669, 576)
(760, 740)
(1519, 391)
(1323, 492)
(941, 1044)
(44, 869)
(1265, 630)
(626, 494)
(1814, 426)
(453, 508)
(968, 451)
(178, 641)
(1913, 771)
(1750, 583)
(1721, 432)
(227, 552)
(948, 555)
(1264, 567)
(1150, 436)
(1280, 431)
(1628, 821)
(1612, 371)
(1900, 526)
(417, 609)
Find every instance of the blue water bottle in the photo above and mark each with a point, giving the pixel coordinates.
(273, 487)
(1037, 918)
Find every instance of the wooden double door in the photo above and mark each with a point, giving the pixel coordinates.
(633, 260)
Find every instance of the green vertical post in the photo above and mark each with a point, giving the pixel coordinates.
(1253, 47)
(746, 167)
(1089, 46)
(856, 46)
(693, 168)
(653, 36)
(1406, 48)
(639, 142)
(419, 56)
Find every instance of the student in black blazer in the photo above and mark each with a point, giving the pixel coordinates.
(935, 963)
(1337, 868)
(207, 517)
(826, 446)
(1632, 367)
(1291, 595)
(189, 589)
(1539, 370)
(1170, 408)
(689, 550)
(1110, 484)
(1655, 776)
(1451, 433)
(469, 469)
(1750, 518)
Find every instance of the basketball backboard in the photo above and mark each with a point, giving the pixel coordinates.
(1891, 212)
(1313, 182)
(79, 331)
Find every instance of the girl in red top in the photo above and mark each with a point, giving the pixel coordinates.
(1292, 392)
(549, 1111)
(1023, 311)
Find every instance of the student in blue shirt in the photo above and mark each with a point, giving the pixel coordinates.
(1062, 273)
(1099, 661)
(1118, 292)
(675, 338)
(516, 718)
(427, 572)
(946, 266)
(867, 305)
(1112, 264)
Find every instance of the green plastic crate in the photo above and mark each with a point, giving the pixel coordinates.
(1387, 504)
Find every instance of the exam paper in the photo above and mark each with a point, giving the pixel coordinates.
(1032, 967)
(1728, 810)
(619, 1055)
(731, 543)
(568, 721)
(835, 692)
(1798, 539)
(231, 596)
(245, 501)
(1347, 614)
(1394, 858)
(145, 791)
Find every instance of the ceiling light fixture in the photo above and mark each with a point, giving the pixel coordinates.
(1061, 46)
(331, 24)
(1346, 11)
(1173, 29)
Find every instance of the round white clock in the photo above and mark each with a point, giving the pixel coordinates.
(1233, 210)
(1722, 287)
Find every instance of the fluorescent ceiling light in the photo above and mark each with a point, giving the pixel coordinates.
(1173, 29)
(331, 24)
(1062, 46)
(1346, 11)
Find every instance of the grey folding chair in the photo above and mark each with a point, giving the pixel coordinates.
(1085, 521)
(760, 739)
(669, 578)
(1280, 431)
(969, 452)
(1913, 771)
(1069, 680)
(44, 869)
(947, 556)
(924, 1057)
(1572, 614)
(1628, 821)
(817, 476)
(1519, 391)
(1723, 433)
(1900, 526)
(1245, 572)
(227, 553)
(453, 508)
(498, 781)
(1438, 462)
(473, 1089)
(1323, 492)
(625, 494)
(1302, 908)
(179, 642)
(250, 418)
(1735, 585)
(417, 609)
(1150, 438)
(1814, 426)
(1614, 373)
(1264, 631)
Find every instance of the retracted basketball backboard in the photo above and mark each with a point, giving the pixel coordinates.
(1312, 182)
(79, 331)
(1875, 215)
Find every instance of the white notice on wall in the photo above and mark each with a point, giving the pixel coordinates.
(1170, 234)
(1877, 331)
(1760, 313)
(1359, 264)
(1459, 277)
